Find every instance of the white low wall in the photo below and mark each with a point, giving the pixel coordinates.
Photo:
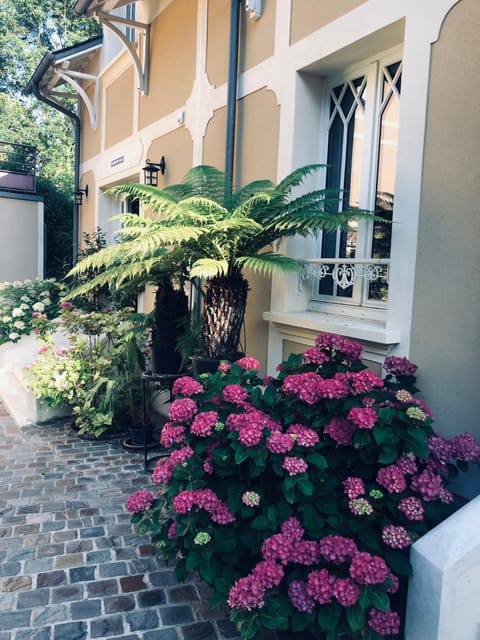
(444, 591)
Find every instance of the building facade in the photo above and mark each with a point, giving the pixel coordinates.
(381, 91)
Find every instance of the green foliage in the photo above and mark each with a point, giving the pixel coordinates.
(98, 375)
(26, 307)
(284, 496)
(202, 228)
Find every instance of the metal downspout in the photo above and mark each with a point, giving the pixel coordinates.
(76, 169)
(232, 93)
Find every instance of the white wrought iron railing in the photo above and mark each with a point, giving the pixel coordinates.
(344, 271)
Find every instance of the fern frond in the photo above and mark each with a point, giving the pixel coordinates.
(269, 263)
(208, 268)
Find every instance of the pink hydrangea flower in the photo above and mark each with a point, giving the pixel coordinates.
(353, 487)
(360, 507)
(277, 547)
(297, 592)
(407, 464)
(224, 367)
(303, 436)
(346, 592)
(279, 442)
(66, 305)
(445, 496)
(399, 366)
(320, 586)
(248, 363)
(235, 394)
(386, 623)
(184, 501)
(247, 594)
(163, 471)
(465, 448)
(182, 410)
(140, 501)
(339, 344)
(402, 395)
(305, 552)
(292, 529)
(268, 573)
(294, 465)
(363, 417)
(368, 569)
(187, 386)
(336, 387)
(340, 430)
(428, 484)
(305, 386)
(171, 435)
(392, 479)
(250, 435)
(412, 508)
(396, 537)
(203, 423)
(172, 531)
(181, 455)
(315, 356)
(395, 583)
(365, 381)
(337, 549)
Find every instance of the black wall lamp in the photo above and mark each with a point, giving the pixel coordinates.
(151, 169)
(78, 195)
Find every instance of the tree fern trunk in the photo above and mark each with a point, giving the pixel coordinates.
(224, 312)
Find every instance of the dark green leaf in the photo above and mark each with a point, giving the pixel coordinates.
(380, 600)
(317, 460)
(328, 616)
(355, 618)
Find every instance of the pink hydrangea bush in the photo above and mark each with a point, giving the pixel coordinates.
(297, 498)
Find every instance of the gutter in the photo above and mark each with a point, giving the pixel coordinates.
(232, 94)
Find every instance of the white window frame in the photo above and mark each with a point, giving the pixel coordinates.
(372, 69)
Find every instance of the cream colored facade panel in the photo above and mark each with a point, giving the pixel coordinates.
(87, 223)
(92, 138)
(119, 108)
(21, 239)
(310, 15)
(172, 61)
(446, 318)
(217, 41)
(258, 36)
(177, 148)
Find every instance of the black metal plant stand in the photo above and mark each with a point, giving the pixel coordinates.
(165, 382)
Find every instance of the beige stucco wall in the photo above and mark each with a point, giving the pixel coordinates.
(177, 147)
(172, 62)
(91, 138)
(119, 98)
(310, 15)
(257, 39)
(21, 238)
(86, 218)
(446, 320)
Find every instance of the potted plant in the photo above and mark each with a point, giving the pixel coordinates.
(218, 232)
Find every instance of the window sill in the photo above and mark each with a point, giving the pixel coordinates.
(310, 321)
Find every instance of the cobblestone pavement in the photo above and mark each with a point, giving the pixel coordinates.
(71, 565)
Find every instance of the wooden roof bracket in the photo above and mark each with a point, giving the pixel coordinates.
(142, 63)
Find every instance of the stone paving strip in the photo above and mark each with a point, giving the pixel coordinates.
(71, 564)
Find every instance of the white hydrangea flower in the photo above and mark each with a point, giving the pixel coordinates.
(14, 336)
(17, 312)
(6, 319)
(39, 306)
(19, 324)
(25, 299)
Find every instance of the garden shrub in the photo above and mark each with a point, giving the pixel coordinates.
(26, 307)
(297, 498)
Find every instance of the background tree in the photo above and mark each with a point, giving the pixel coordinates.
(28, 30)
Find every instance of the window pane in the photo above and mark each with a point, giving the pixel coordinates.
(387, 164)
(345, 145)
